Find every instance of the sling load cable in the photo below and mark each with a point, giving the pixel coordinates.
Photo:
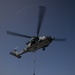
(34, 63)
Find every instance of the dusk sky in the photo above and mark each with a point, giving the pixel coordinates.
(21, 16)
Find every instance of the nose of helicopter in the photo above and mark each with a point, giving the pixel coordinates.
(50, 38)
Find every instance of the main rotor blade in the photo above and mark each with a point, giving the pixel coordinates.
(17, 34)
(42, 10)
(60, 39)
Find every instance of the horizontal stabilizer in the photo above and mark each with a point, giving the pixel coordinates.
(14, 54)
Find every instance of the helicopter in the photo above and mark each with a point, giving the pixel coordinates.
(36, 42)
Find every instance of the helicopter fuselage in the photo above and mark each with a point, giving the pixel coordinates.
(41, 43)
(34, 44)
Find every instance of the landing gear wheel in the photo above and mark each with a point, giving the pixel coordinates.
(43, 48)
